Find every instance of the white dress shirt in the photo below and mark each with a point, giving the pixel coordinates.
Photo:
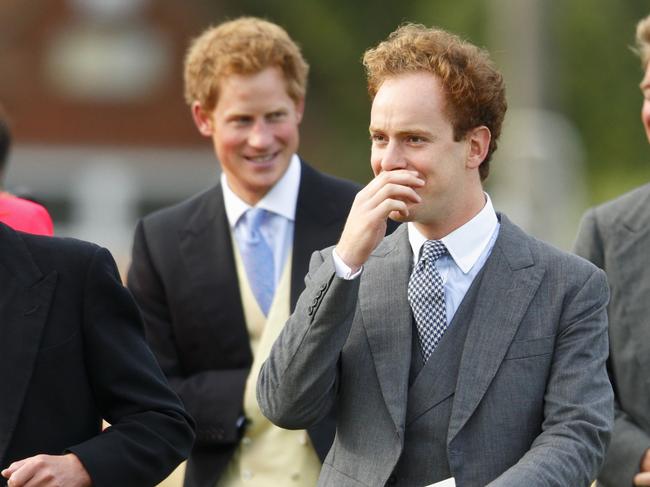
(468, 248)
(281, 202)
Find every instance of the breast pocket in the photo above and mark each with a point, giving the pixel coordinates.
(533, 347)
(60, 350)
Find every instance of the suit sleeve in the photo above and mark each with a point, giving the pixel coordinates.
(150, 433)
(578, 401)
(213, 397)
(297, 384)
(629, 441)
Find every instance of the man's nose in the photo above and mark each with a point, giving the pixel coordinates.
(260, 135)
(393, 158)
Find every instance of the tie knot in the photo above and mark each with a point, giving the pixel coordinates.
(252, 220)
(433, 250)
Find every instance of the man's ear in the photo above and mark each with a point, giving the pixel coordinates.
(479, 143)
(202, 119)
(300, 109)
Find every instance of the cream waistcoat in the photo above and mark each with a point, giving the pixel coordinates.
(268, 456)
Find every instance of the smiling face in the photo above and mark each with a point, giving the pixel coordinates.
(254, 129)
(645, 108)
(410, 129)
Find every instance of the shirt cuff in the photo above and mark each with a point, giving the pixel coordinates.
(342, 269)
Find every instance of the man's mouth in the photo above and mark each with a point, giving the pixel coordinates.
(261, 158)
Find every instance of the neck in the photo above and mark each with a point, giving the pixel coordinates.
(452, 220)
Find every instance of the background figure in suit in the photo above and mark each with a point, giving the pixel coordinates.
(217, 275)
(73, 352)
(616, 237)
(514, 391)
(19, 213)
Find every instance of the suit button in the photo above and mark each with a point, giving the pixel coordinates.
(392, 480)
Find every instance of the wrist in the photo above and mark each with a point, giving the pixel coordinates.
(82, 476)
(345, 259)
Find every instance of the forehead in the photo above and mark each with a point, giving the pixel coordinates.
(267, 84)
(412, 98)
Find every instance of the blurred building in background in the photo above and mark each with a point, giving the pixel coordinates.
(94, 92)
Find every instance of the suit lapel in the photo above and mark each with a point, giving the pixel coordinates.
(206, 249)
(24, 309)
(628, 263)
(508, 285)
(387, 319)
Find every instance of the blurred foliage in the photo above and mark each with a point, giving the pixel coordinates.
(598, 84)
(592, 77)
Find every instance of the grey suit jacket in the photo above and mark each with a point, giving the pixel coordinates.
(616, 237)
(532, 404)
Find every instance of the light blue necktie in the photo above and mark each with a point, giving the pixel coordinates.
(258, 258)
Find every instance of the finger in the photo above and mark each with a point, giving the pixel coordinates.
(399, 216)
(396, 191)
(25, 472)
(372, 195)
(642, 479)
(391, 205)
(15, 466)
(401, 177)
(368, 201)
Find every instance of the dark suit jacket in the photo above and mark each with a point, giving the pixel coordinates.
(72, 352)
(183, 277)
(616, 237)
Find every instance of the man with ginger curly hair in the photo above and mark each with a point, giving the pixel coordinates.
(615, 237)
(458, 347)
(217, 275)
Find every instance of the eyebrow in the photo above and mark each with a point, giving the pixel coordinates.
(413, 131)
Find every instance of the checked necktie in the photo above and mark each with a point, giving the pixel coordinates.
(258, 258)
(426, 295)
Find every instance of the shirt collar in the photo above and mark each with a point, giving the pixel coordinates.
(466, 243)
(280, 200)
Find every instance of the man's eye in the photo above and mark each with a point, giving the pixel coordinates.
(242, 120)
